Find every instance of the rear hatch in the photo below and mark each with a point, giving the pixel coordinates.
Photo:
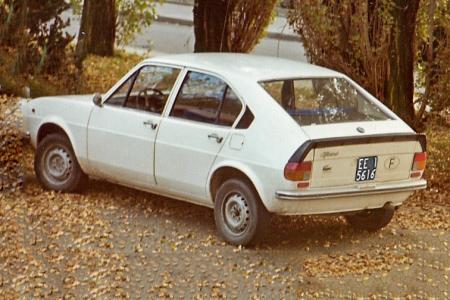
(359, 157)
(353, 138)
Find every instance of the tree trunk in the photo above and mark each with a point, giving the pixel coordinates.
(430, 58)
(98, 29)
(209, 25)
(400, 81)
(22, 63)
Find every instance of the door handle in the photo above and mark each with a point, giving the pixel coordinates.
(150, 123)
(218, 139)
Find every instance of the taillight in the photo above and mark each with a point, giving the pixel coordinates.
(298, 171)
(418, 166)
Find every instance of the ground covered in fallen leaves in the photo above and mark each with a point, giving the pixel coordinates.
(113, 242)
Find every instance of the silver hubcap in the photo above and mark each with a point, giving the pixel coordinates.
(57, 165)
(236, 213)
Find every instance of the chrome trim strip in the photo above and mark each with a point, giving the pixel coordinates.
(351, 191)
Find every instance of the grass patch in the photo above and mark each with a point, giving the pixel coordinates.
(101, 73)
(98, 75)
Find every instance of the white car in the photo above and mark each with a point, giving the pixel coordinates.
(245, 135)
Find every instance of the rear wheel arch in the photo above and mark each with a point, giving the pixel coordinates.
(222, 174)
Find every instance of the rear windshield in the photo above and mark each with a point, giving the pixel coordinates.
(323, 101)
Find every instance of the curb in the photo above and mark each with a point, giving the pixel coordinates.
(281, 11)
(270, 35)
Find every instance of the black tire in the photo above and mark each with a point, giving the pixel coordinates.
(372, 219)
(56, 165)
(240, 216)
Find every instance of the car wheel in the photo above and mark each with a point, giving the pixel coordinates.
(56, 166)
(372, 219)
(240, 216)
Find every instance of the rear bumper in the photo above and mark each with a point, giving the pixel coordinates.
(355, 191)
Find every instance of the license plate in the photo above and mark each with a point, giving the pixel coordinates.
(366, 168)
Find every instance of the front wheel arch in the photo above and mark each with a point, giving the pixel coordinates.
(55, 127)
(50, 128)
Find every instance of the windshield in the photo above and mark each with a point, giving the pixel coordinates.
(323, 101)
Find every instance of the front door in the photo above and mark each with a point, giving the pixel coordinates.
(122, 133)
(190, 138)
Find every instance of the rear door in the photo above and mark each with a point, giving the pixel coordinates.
(197, 127)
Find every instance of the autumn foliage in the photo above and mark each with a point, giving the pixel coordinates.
(377, 44)
(371, 41)
(12, 173)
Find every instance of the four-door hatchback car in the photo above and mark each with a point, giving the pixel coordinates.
(245, 135)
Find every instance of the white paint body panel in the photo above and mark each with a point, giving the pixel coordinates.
(184, 156)
(121, 146)
(178, 159)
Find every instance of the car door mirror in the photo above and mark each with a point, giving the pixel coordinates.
(97, 100)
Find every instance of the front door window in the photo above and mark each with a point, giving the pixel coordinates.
(148, 89)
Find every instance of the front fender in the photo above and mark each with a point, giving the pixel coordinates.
(76, 135)
(58, 121)
(70, 113)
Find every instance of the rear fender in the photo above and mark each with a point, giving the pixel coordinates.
(251, 175)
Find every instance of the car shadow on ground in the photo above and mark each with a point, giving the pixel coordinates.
(285, 231)
(147, 209)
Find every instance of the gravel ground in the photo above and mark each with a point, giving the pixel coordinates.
(114, 242)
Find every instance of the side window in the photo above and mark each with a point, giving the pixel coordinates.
(147, 90)
(206, 98)
(199, 98)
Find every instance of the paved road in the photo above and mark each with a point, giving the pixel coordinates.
(166, 36)
(173, 38)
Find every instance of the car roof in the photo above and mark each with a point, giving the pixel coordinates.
(246, 66)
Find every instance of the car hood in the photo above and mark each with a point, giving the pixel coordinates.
(87, 97)
(83, 98)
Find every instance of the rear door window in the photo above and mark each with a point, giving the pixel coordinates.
(208, 99)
